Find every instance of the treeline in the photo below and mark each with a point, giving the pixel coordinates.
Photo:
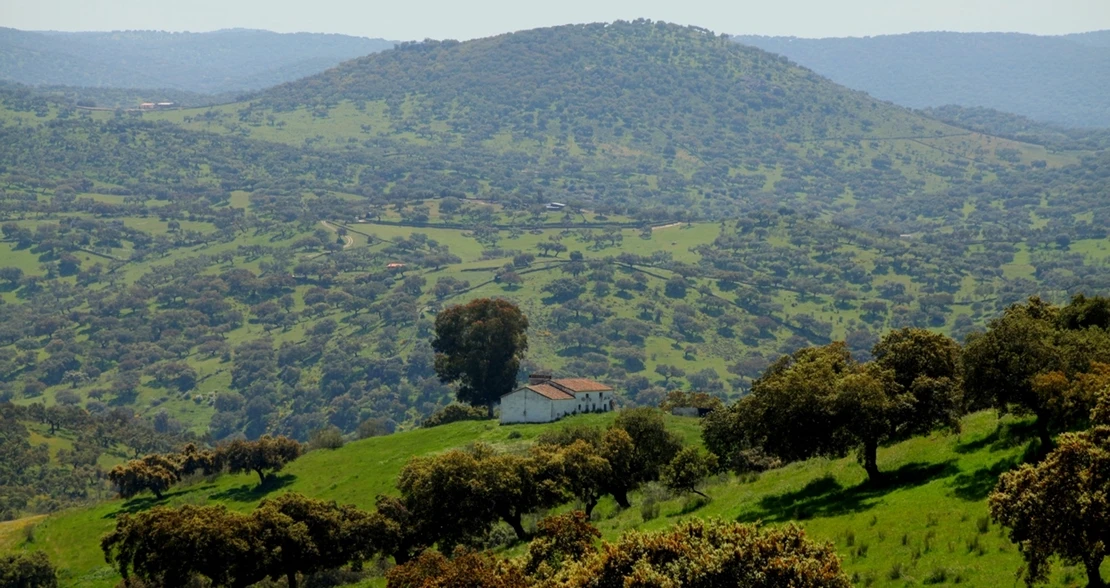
(293, 537)
(157, 472)
(446, 501)
(1037, 358)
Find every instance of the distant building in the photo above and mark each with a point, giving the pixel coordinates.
(690, 411)
(148, 106)
(555, 206)
(394, 266)
(546, 400)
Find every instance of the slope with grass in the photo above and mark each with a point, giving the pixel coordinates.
(926, 523)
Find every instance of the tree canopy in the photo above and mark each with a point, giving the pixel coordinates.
(1060, 506)
(479, 345)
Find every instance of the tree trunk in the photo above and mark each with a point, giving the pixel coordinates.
(489, 409)
(514, 521)
(621, 496)
(1044, 434)
(589, 507)
(698, 492)
(870, 460)
(1094, 578)
(291, 579)
(401, 557)
(261, 477)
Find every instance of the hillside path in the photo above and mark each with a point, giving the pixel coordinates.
(348, 241)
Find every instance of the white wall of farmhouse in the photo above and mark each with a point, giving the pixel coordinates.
(527, 406)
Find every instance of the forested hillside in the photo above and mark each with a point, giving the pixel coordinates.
(639, 116)
(187, 295)
(274, 265)
(1050, 79)
(1020, 128)
(224, 61)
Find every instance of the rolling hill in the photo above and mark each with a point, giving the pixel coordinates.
(430, 156)
(630, 115)
(236, 60)
(1050, 79)
(233, 270)
(927, 524)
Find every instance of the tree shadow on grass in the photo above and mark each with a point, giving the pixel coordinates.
(826, 497)
(254, 492)
(148, 502)
(977, 485)
(1005, 436)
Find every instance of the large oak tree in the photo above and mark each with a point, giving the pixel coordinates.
(1061, 507)
(479, 346)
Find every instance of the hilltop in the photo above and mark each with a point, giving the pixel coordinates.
(218, 62)
(1057, 80)
(627, 115)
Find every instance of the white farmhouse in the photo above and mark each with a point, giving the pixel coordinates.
(546, 400)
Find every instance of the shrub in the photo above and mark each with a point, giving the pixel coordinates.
(455, 412)
(376, 427)
(27, 570)
(326, 438)
(711, 553)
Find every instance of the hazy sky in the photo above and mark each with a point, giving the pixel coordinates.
(460, 19)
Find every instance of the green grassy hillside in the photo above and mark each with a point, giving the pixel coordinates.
(926, 524)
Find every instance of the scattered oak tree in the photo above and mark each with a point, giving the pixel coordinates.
(1001, 366)
(156, 473)
(585, 472)
(1061, 507)
(164, 547)
(819, 401)
(303, 536)
(653, 446)
(266, 455)
(479, 345)
(688, 469)
(283, 538)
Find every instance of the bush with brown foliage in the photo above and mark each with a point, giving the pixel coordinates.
(707, 554)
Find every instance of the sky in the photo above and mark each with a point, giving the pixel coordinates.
(458, 19)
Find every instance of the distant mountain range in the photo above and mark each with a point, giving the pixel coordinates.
(1061, 80)
(235, 60)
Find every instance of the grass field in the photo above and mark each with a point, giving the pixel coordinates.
(925, 524)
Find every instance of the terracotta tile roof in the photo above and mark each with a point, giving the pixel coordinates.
(581, 385)
(549, 391)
